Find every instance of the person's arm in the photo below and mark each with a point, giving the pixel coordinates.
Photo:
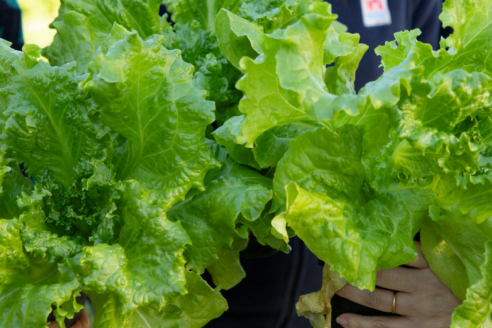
(421, 299)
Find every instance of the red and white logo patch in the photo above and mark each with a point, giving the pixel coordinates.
(375, 12)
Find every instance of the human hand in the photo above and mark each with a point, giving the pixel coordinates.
(422, 299)
(83, 322)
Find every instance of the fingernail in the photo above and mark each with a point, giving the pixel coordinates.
(342, 321)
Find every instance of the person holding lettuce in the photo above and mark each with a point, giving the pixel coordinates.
(267, 297)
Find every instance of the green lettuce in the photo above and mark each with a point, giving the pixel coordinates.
(110, 152)
(152, 151)
(83, 26)
(420, 161)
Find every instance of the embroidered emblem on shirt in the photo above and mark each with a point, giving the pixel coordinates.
(375, 13)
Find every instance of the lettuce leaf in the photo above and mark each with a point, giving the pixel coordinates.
(25, 277)
(454, 240)
(146, 94)
(210, 217)
(476, 308)
(82, 27)
(187, 11)
(192, 310)
(111, 152)
(48, 125)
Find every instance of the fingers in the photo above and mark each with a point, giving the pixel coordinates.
(348, 320)
(399, 279)
(419, 262)
(379, 299)
(83, 322)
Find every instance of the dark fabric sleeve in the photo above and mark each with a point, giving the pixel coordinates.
(11, 25)
(425, 16)
(266, 298)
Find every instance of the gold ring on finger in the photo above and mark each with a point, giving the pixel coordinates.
(394, 303)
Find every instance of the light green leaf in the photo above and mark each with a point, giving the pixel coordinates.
(185, 11)
(467, 48)
(322, 161)
(354, 240)
(261, 227)
(49, 127)
(146, 267)
(109, 312)
(471, 22)
(214, 73)
(146, 95)
(193, 310)
(454, 246)
(266, 233)
(218, 77)
(15, 183)
(473, 199)
(19, 310)
(275, 95)
(36, 236)
(227, 271)
(271, 145)
(445, 102)
(11, 243)
(237, 37)
(340, 77)
(153, 247)
(24, 278)
(433, 130)
(210, 217)
(383, 93)
(226, 136)
(393, 53)
(231, 169)
(377, 124)
(475, 310)
(386, 91)
(83, 25)
(273, 14)
(8, 57)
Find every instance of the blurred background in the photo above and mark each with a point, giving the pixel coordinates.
(37, 15)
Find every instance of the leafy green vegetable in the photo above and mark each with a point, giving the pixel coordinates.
(423, 146)
(146, 95)
(210, 217)
(475, 309)
(130, 200)
(109, 163)
(82, 27)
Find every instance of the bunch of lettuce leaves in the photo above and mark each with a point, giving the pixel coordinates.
(357, 175)
(152, 151)
(121, 196)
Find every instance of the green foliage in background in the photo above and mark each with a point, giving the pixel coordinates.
(36, 17)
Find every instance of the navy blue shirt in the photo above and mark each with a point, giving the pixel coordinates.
(405, 15)
(11, 23)
(266, 297)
